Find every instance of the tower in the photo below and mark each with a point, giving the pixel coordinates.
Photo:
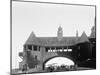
(76, 35)
(93, 32)
(60, 33)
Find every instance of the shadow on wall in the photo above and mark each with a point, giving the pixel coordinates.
(31, 61)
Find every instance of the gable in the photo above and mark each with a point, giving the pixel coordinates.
(83, 38)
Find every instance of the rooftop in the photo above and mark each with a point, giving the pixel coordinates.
(54, 41)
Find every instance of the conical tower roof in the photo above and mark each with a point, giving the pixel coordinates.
(83, 38)
(93, 32)
(32, 39)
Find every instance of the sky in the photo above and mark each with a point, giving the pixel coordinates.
(44, 19)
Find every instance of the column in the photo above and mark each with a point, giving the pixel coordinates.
(67, 48)
(62, 49)
(42, 49)
(50, 49)
(55, 49)
(25, 47)
(37, 48)
(32, 47)
(90, 50)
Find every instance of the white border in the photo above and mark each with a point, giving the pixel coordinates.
(5, 37)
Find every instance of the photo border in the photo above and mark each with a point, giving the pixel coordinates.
(47, 3)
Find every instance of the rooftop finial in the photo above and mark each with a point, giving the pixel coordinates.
(76, 33)
(60, 33)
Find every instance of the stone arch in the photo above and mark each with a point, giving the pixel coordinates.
(68, 57)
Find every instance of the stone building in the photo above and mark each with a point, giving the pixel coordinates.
(38, 50)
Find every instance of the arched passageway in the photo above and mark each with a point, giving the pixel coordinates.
(61, 63)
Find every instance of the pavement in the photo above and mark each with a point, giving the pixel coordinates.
(15, 72)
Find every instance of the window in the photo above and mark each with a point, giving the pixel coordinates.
(60, 50)
(54, 50)
(35, 48)
(29, 47)
(46, 49)
(65, 50)
(69, 50)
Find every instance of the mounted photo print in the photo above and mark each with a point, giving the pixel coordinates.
(52, 37)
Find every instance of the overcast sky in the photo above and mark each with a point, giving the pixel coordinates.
(44, 20)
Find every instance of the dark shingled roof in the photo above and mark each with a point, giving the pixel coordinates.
(83, 38)
(50, 41)
(32, 39)
(53, 41)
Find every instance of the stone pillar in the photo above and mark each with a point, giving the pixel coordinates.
(62, 49)
(25, 47)
(90, 50)
(67, 48)
(32, 47)
(41, 58)
(37, 48)
(24, 60)
(55, 49)
(25, 54)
